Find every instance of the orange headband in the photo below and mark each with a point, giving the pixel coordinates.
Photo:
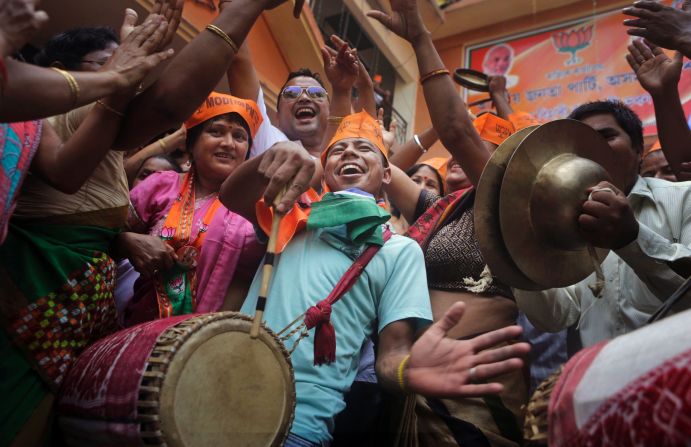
(439, 164)
(521, 120)
(219, 104)
(358, 125)
(655, 147)
(492, 128)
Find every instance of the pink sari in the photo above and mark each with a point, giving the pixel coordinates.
(231, 249)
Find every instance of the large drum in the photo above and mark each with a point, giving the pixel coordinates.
(195, 380)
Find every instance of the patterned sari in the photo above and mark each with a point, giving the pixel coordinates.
(481, 421)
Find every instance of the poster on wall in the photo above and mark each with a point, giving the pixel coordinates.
(552, 70)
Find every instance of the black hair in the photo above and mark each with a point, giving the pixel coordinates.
(302, 72)
(413, 170)
(70, 47)
(625, 117)
(195, 132)
(173, 164)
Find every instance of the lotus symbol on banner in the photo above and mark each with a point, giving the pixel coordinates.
(573, 41)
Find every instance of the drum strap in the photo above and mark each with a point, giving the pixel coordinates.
(319, 315)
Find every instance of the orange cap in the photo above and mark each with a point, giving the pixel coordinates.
(521, 120)
(358, 125)
(220, 104)
(492, 128)
(439, 164)
(655, 147)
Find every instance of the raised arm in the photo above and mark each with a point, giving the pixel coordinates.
(659, 75)
(661, 24)
(242, 77)
(195, 71)
(500, 96)
(407, 154)
(67, 165)
(449, 115)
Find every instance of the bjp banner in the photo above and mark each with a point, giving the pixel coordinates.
(551, 71)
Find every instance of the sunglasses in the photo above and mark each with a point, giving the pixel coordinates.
(293, 92)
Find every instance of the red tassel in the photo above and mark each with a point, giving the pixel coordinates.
(319, 317)
(324, 344)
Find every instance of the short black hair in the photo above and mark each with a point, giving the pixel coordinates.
(413, 170)
(625, 117)
(195, 132)
(70, 47)
(302, 72)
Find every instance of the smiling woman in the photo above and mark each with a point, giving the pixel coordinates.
(188, 248)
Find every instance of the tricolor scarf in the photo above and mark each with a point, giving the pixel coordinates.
(354, 208)
(176, 288)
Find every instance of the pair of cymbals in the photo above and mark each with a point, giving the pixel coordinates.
(528, 201)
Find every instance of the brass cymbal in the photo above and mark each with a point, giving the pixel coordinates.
(487, 226)
(541, 196)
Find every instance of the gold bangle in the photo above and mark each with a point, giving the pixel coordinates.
(334, 119)
(434, 73)
(220, 33)
(399, 375)
(74, 86)
(109, 108)
(162, 144)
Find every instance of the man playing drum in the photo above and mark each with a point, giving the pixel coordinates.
(390, 296)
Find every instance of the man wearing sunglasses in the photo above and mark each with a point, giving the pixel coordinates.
(303, 109)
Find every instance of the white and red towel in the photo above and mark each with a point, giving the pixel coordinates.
(634, 390)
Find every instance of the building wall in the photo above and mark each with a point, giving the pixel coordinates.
(452, 49)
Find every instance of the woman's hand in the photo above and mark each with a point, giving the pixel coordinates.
(655, 71)
(19, 21)
(136, 56)
(404, 20)
(148, 254)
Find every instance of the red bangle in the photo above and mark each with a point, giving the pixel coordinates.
(434, 73)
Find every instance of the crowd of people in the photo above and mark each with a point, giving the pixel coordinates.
(123, 204)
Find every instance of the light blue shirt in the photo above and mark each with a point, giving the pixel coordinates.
(392, 287)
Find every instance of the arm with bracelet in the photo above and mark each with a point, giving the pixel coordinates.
(410, 152)
(196, 71)
(162, 146)
(449, 114)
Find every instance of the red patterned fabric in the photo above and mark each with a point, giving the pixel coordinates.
(103, 384)
(425, 226)
(653, 410)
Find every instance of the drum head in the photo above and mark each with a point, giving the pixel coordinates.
(223, 388)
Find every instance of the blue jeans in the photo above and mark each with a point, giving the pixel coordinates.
(297, 441)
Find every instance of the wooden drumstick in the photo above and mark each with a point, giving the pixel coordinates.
(267, 271)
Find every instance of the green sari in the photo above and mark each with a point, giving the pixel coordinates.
(57, 283)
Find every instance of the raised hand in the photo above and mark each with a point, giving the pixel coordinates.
(444, 367)
(389, 134)
(136, 56)
(342, 67)
(19, 21)
(171, 10)
(661, 24)
(404, 20)
(655, 70)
